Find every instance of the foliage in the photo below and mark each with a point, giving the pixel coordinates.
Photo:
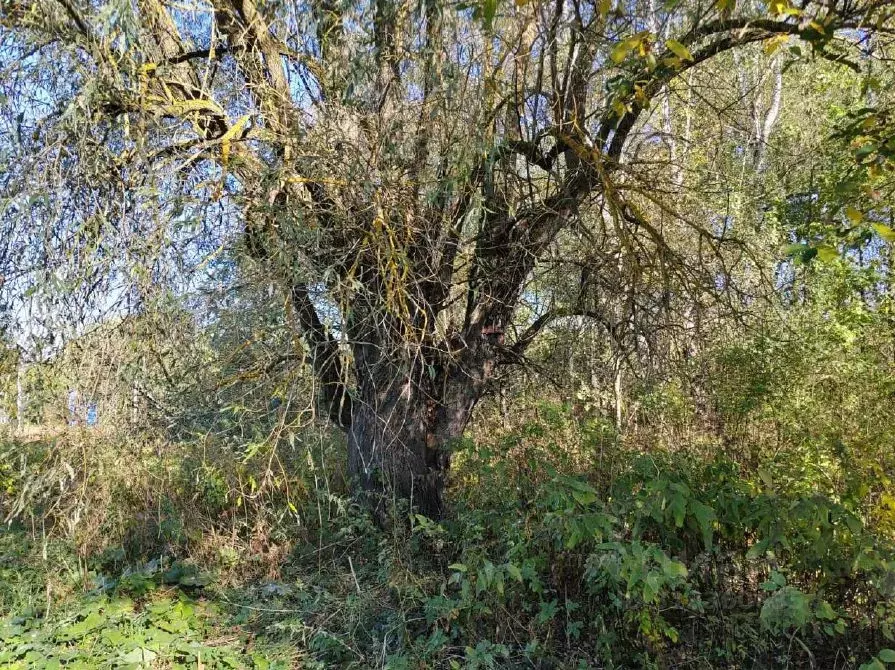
(422, 210)
(673, 559)
(484, 335)
(143, 618)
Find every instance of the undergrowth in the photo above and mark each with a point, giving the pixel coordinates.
(597, 556)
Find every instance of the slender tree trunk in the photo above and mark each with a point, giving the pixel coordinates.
(20, 397)
(770, 119)
(619, 396)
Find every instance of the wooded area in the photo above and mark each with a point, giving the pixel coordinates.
(413, 334)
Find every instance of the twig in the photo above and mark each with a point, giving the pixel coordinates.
(353, 574)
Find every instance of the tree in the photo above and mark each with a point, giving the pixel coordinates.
(402, 170)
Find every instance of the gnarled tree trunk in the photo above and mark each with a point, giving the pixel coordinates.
(406, 413)
(391, 449)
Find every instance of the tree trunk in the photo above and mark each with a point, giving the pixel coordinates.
(391, 455)
(20, 397)
(404, 421)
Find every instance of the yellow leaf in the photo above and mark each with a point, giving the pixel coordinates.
(826, 253)
(604, 7)
(775, 43)
(885, 232)
(854, 215)
(230, 135)
(726, 6)
(620, 51)
(619, 108)
(642, 48)
(639, 95)
(679, 50)
(184, 106)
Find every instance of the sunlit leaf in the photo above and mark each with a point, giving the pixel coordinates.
(884, 232)
(679, 50)
(827, 253)
(854, 215)
(620, 51)
(775, 43)
(725, 6)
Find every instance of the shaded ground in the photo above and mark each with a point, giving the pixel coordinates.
(157, 616)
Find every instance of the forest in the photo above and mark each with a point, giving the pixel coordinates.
(417, 334)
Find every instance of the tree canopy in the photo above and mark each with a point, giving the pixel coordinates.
(430, 186)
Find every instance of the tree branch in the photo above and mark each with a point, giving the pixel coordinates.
(325, 360)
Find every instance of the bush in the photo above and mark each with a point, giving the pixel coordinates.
(551, 557)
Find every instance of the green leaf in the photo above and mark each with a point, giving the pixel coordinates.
(651, 587)
(459, 567)
(866, 150)
(196, 579)
(825, 611)
(802, 253)
(826, 253)
(139, 655)
(775, 581)
(679, 50)
(584, 498)
(705, 517)
(674, 569)
(678, 507)
(76, 631)
(757, 549)
(886, 655)
(787, 609)
(498, 582)
(514, 571)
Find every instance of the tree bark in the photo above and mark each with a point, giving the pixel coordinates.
(389, 454)
(409, 405)
(403, 424)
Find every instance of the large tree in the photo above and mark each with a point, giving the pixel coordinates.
(402, 168)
